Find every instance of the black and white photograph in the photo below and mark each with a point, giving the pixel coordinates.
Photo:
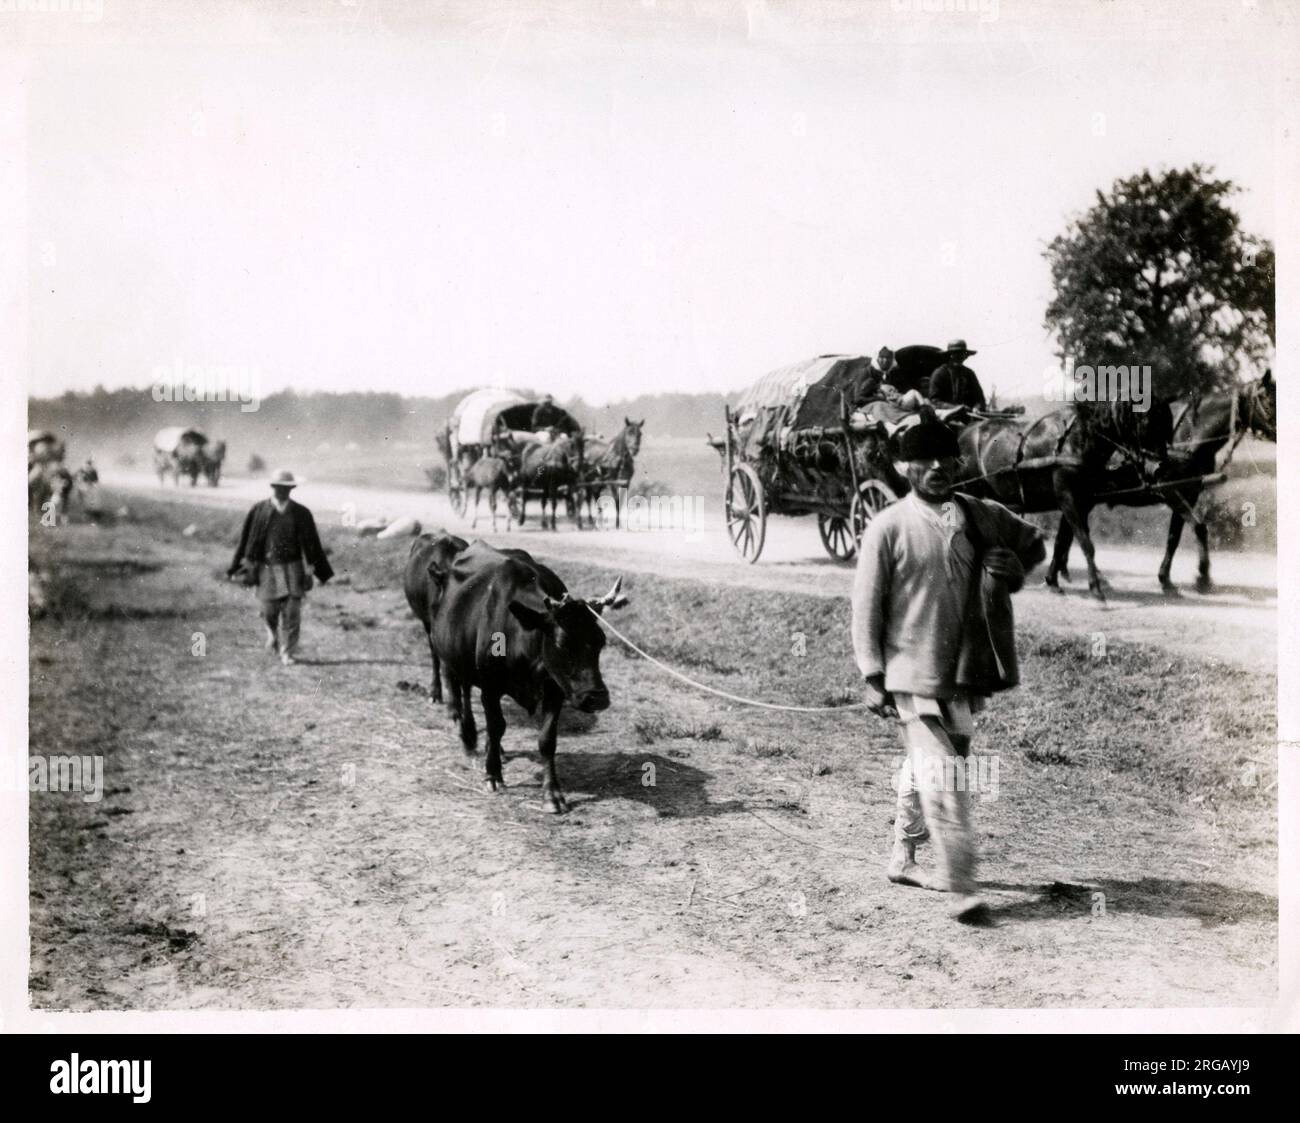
(765, 510)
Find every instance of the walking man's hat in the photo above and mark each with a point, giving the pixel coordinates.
(958, 347)
(285, 478)
(929, 439)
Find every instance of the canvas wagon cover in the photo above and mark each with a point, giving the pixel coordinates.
(806, 394)
(169, 440)
(472, 420)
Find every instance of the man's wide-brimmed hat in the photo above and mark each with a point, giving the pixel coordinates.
(929, 439)
(285, 478)
(958, 347)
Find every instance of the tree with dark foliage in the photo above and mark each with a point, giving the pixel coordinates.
(1159, 272)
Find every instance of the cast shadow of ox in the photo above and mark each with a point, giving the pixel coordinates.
(1209, 902)
(671, 787)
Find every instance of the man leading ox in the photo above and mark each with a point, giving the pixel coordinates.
(933, 636)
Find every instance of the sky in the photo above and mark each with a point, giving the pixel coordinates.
(596, 199)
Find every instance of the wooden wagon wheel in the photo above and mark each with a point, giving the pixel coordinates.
(746, 512)
(457, 495)
(873, 497)
(838, 536)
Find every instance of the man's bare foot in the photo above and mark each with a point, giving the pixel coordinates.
(903, 870)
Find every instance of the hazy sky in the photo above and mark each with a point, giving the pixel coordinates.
(600, 199)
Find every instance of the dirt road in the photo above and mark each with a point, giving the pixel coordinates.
(1236, 623)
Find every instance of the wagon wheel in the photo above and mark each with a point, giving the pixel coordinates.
(872, 498)
(456, 493)
(746, 512)
(837, 536)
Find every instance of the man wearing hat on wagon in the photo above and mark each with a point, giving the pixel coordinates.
(279, 536)
(933, 636)
(954, 383)
(546, 414)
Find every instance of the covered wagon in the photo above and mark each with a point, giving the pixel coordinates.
(795, 444)
(493, 421)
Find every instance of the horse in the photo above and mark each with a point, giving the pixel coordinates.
(212, 458)
(1201, 428)
(490, 473)
(1058, 464)
(552, 469)
(606, 464)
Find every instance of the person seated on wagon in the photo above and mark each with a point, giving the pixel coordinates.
(546, 415)
(954, 383)
(895, 385)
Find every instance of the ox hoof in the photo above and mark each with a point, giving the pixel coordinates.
(494, 783)
(1204, 585)
(554, 805)
(1098, 593)
(1051, 584)
(1168, 587)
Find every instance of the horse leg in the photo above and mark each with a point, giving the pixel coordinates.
(1060, 554)
(1171, 548)
(1203, 582)
(1077, 512)
(473, 522)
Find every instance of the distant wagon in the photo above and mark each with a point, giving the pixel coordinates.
(186, 451)
(493, 422)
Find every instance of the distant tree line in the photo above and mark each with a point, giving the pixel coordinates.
(131, 417)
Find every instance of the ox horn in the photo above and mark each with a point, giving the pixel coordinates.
(613, 599)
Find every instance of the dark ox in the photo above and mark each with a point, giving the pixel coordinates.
(428, 566)
(508, 625)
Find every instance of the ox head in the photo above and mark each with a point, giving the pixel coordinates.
(572, 640)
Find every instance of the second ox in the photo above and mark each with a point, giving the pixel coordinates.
(507, 624)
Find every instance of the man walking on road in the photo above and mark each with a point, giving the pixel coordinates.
(933, 637)
(278, 536)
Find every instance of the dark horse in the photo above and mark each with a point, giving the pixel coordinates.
(1201, 429)
(550, 468)
(1058, 463)
(609, 463)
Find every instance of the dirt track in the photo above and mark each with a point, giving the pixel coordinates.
(1235, 623)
